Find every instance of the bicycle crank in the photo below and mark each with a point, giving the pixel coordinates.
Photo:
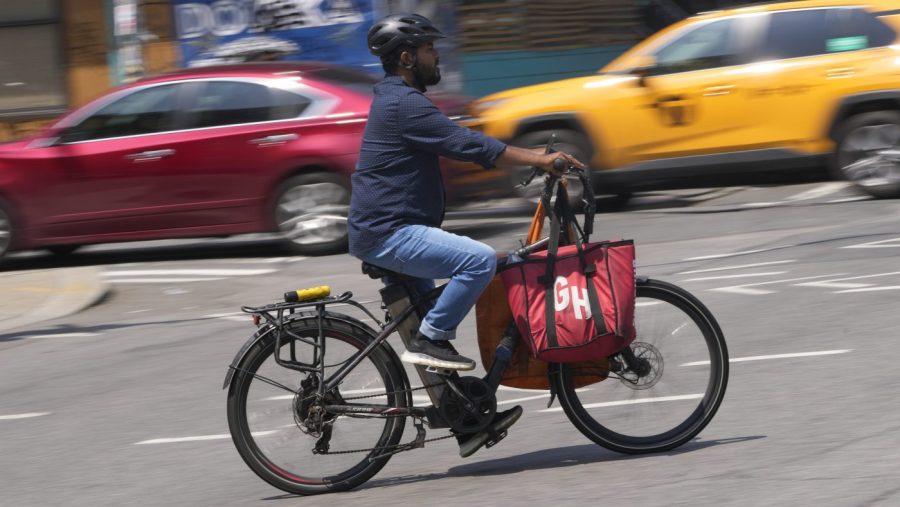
(468, 404)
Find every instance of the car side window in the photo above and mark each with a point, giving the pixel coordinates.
(287, 105)
(235, 102)
(147, 111)
(706, 47)
(854, 29)
(795, 34)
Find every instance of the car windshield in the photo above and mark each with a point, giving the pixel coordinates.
(357, 81)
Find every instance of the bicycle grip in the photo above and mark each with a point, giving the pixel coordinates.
(310, 294)
(559, 164)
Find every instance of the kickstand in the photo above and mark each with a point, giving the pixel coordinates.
(418, 443)
(552, 385)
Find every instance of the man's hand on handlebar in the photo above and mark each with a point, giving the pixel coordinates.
(536, 157)
(559, 162)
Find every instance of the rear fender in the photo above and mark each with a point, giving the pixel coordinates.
(267, 329)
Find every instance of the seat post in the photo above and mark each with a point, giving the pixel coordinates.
(396, 298)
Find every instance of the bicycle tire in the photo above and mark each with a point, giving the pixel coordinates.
(680, 306)
(337, 328)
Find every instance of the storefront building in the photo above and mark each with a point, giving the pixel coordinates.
(56, 55)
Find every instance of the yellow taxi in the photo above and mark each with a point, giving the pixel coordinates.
(764, 87)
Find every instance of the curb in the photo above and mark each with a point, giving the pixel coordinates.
(36, 296)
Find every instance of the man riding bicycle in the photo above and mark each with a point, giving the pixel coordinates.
(397, 201)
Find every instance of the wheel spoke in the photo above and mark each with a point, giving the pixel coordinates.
(668, 405)
(294, 457)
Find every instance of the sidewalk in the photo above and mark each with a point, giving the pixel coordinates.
(29, 297)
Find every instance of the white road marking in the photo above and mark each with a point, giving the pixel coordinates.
(742, 289)
(632, 402)
(138, 311)
(646, 303)
(726, 277)
(850, 199)
(722, 256)
(820, 191)
(231, 316)
(161, 280)
(775, 356)
(519, 389)
(60, 335)
(762, 204)
(742, 266)
(189, 272)
(885, 243)
(199, 438)
(527, 398)
(22, 416)
(833, 284)
(870, 289)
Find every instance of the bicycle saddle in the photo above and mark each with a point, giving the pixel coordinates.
(377, 273)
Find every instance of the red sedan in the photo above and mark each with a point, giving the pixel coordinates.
(213, 151)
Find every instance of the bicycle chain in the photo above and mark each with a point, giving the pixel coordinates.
(378, 395)
(395, 447)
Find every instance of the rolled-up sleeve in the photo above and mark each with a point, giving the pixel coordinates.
(425, 127)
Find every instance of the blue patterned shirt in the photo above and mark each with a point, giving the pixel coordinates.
(398, 179)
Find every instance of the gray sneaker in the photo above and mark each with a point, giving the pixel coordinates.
(436, 353)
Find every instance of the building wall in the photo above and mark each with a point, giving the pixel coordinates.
(87, 39)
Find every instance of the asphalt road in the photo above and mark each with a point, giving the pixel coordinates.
(804, 280)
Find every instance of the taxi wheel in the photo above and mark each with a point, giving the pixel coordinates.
(6, 231)
(310, 213)
(868, 153)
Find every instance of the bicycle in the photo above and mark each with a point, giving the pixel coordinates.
(350, 396)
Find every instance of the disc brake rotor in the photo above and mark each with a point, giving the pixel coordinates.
(644, 352)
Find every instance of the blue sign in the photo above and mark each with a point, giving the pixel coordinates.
(226, 31)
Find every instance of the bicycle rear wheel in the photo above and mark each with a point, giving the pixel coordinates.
(662, 410)
(271, 424)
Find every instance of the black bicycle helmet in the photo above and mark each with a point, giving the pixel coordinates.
(401, 29)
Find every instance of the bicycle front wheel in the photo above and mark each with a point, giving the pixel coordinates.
(684, 347)
(278, 430)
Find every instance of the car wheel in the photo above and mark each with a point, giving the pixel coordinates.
(310, 212)
(62, 250)
(6, 231)
(577, 145)
(868, 153)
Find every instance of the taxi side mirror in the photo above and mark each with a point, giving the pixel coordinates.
(645, 67)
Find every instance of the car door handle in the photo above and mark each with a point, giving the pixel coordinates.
(150, 155)
(277, 139)
(715, 91)
(841, 72)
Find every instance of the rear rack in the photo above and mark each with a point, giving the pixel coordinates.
(277, 313)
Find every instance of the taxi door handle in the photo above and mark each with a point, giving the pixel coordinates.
(715, 91)
(841, 72)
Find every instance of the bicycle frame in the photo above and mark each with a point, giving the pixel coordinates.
(402, 306)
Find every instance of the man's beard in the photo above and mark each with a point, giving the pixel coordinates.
(432, 79)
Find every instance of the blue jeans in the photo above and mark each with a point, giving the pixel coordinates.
(428, 253)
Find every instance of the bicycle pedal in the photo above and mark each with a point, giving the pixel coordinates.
(446, 372)
(495, 439)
